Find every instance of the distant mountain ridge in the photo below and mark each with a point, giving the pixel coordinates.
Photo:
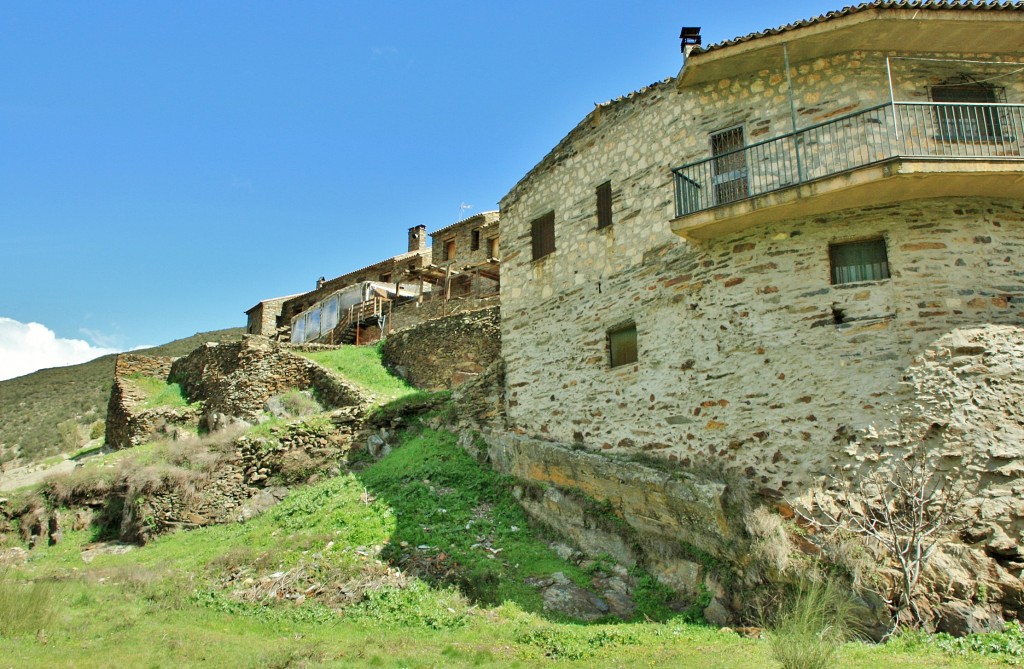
(32, 406)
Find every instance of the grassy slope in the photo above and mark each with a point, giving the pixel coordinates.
(31, 406)
(169, 604)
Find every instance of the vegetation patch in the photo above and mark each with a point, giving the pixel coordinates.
(362, 366)
(159, 393)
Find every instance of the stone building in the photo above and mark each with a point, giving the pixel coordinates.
(464, 259)
(262, 319)
(394, 276)
(786, 255)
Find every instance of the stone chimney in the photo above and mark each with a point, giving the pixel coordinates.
(690, 37)
(418, 238)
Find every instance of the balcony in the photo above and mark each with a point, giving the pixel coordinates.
(887, 153)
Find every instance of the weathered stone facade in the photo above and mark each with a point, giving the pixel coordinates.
(749, 356)
(263, 318)
(474, 240)
(445, 352)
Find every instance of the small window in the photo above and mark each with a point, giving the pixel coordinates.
(449, 249)
(622, 344)
(604, 205)
(542, 234)
(859, 261)
(385, 278)
(474, 240)
(492, 247)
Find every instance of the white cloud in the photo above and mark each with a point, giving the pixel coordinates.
(27, 347)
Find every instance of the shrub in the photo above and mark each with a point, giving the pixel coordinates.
(811, 627)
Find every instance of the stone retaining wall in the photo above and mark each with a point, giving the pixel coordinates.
(237, 379)
(445, 352)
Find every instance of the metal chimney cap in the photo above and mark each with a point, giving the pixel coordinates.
(690, 35)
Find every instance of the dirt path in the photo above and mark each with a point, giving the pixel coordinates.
(20, 477)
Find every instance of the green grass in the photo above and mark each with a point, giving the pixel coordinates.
(197, 598)
(361, 365)
(159, 393)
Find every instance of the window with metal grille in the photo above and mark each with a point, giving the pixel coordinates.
(622, 344)
(542, 234)
(474, 240)
(968, 122)
(729, 165)
(604, 205)
(859, 261)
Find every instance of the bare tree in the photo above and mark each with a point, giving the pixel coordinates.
(905, 510)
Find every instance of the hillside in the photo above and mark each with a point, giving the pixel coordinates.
(33, 406)
(419, 558)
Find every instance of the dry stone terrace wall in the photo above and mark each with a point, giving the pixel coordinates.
(128, 424)
(445, 352)
(237, 379)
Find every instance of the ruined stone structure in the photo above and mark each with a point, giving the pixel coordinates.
(129, 421)
(222, 381)
(798, 253)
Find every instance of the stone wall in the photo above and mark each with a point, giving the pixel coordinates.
(262, 319)
(237, 379)
(749, 358)
(445, 352)
(129, 422)
(486, 224)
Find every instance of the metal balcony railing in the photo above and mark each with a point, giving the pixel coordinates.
(928, 130)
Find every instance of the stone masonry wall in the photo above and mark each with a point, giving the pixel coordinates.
(445, 352)
(462, 234)
(236, 379)
(128, 423)
(749, 357)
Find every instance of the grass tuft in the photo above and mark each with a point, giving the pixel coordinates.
(26, 608)
(812, 626)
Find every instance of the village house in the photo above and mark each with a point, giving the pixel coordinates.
(464, 259)
(459, 273)
(262, 319)
(766, 261)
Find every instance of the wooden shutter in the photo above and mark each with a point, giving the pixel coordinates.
(542, 233)
(604, 205)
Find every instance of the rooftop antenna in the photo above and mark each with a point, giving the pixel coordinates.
(463, 208)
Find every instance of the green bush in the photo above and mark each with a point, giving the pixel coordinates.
(812, 626)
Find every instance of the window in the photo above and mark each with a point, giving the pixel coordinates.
(859, 261)
(492, 247)
(729, 167)
(542, 234)
(474, 242)
(622, 344)
(385, 278)
(968, 122)
(449, 249)
(604, 205)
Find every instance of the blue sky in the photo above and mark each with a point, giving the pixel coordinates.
(166, 165)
